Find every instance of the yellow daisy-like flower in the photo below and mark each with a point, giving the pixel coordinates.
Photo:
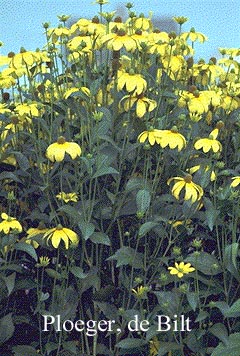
(235, 181)
(181, 268)
(131, 81)
(193, 191)
(59, 233)
(119, 40)
(56, 151)
(152, 136)
(33, 232)
(141, 292)
(142, 23)
(171, 138)
(180, 19)
(209, 143)
(43, 261)
(154, 346)
(9, 224)
(4, 109)
(196, 101)
(67, 197)
(206, 169)
(6, 81)
(143, 104)
(56, 33)
(194, 36)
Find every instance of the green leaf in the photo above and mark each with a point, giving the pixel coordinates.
(95, 85)
(6, 327)
(72, 212)
(29, 249)
(131, 343)
(78, 272)
(143, 200)
(220, 331)
(231, 349)
(128, 256)
(222, 306)
(100, 238)
(234, 310)
(109, 310)
(230, 259)
(108, 139)
(168, 301)
(21, 160)
(53, 274)
(70, 346)
(10, 282)
(192, 298)
(205, 263)
(146, 227)
(87, 228)
(9, 175)
(134, 183)
(211, 213)
(167, 347)
(102, 171)
(202, 316)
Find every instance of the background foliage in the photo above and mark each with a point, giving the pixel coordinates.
(90, 230)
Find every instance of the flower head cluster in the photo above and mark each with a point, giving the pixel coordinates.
(60, 233)
(181, 269)
(164, 138)
(56, 151)
(9, 224)
(193, 191)
(210, 143)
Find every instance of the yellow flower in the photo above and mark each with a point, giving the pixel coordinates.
(9, 223)
(43, 261)
(232, 52)
(55, 33)
(119, 40)
(4, 109)
(34, 232)
(230, 103)
(4, 60)
(81, 43)
(6, 80)
(141, 292)
(132, 82)
(196, 101)
(235, 181)
(173, 64)
(196, 168)
(152, 136)
(27, 58)
(193, 192)
(56, 151)
(172, 138)
(180, 19)
(59, 233)
(67, 197)
(194, 36)
(27, 111)
(180, 269)
(100, 2)
(158, 42)
(142, 23)
(154, 346)
(209, 143)
(143, 104)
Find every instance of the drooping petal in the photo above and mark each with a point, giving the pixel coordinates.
(177, 189)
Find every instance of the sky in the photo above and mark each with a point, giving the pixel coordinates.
(21, 20)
